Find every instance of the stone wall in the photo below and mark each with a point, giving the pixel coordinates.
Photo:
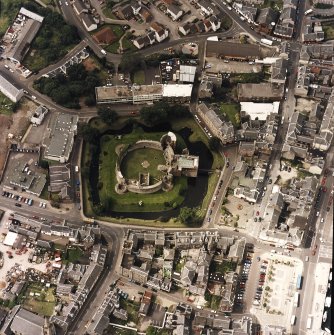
(136, 188)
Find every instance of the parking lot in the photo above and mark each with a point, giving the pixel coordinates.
(217, 65)
(273, 287)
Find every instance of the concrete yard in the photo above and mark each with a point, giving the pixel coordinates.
(279, 307)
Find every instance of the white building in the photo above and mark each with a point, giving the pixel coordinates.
(9, 90)
(259, 111)
(88, 21)
(39, 115)
(161, 33)
(174, 11)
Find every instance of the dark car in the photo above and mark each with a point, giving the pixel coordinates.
(18, 205)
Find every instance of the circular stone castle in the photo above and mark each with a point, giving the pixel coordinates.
(175, 165)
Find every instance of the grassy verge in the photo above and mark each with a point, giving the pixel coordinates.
(6, 105)
(108, 13)
(139, 77)
(127, 44)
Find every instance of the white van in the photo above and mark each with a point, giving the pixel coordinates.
(103, 51)
(309, 322)
(306, 258)
(293, 320)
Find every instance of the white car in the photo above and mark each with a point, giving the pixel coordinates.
(322, 220)
(44, 205)
(66, 3)
(41, 204)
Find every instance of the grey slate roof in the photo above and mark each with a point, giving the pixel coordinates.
(27, 323)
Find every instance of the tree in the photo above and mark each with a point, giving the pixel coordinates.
(88, 133)
(155, 114)
(107, 115)
(189, 215)
(90, 100)
(130, 63)
(44, 164)
(214, 143)
(150, 330)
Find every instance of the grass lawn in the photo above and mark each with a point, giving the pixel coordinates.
(44, 303)
(133, 162)
(139, 77)
(127, 44)
(113, 48)
(232, 112)
(108, 13)
(6, 105)
(73, 254)
(329, 31)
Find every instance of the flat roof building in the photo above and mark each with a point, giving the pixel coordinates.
(9, 90)
(143, 93)
(260, 92)
(259, 111)
(20, 176)
(62, 128)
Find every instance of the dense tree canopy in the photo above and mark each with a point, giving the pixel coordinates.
(66, 90)
(189, 215)
(107, 115)
(161, 112)
(89, 133)
(214, 143)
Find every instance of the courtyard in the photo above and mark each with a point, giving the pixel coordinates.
(142, 161)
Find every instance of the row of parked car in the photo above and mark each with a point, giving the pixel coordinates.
(261, 282)
(242, 284)
(19, 198)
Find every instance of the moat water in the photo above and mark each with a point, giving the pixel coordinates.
(197, 187)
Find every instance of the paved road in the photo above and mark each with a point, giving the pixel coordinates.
(114, 238)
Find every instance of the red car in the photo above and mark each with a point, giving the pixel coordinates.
(323, 182)
(257, 213)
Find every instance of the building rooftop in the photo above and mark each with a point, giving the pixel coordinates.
(8, 89)
(27, 323)
(237, 50)
(259, 111)
(260, 91)
(62, 130)
(177, 90)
